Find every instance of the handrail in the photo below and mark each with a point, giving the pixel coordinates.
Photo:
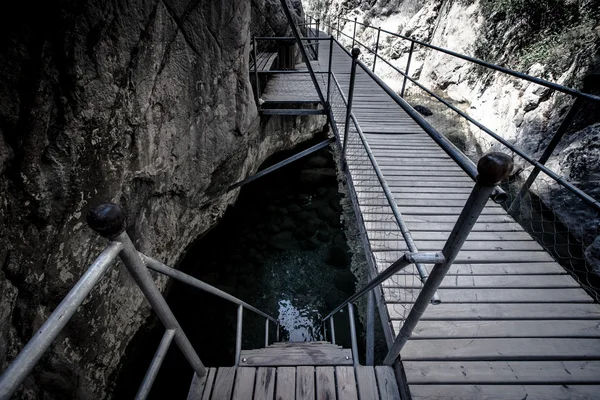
(463, 161)
(533, 79)
(404, 261)
(109, 221)
(29, 356)
(157, 266)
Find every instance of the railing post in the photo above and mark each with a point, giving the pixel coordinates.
(370, 328)
(376, 48)
(238, 334)
(353, 334)
(277, 333)
(558, 135)
(355, 53)
(492, 168)
(266, 332)
(338, 28)
(318, 42)
(109, 220)
(412, 47)
(329, 70)
(332, 329)
(256, 80)
(354, 33)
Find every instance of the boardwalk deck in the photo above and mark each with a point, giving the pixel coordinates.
(512, 323)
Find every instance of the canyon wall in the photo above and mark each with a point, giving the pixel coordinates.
(145, 103)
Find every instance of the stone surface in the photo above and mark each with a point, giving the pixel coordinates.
(148, 105)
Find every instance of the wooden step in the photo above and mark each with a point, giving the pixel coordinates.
(294, 354)
(301, 383)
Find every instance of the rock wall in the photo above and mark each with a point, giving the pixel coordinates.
(559, 42)
(145, 103)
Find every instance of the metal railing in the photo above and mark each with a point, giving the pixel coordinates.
(109, 220)
(557, 211)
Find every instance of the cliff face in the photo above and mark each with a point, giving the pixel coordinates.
(145, 103)
(558, 40)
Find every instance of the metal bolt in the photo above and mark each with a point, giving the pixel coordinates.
(243, 360)
(347, 358)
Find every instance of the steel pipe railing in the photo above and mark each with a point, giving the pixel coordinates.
(109, 221)
(533, 79)
(493, 168)
(22, 365)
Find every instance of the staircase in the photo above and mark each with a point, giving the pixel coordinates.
(306, 370)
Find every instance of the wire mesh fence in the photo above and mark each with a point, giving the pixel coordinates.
(385, 237)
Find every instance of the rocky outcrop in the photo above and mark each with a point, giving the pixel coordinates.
(147, 104)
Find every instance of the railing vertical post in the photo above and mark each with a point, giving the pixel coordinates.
(353, 334)
(256, 80)
(354, 32)
(109, 220)
(370, 328)
(277, 333)
(266, 332)
(332, 329)
(318, 42)
(338, 28)
(376, 48)
(558, 135)
(329, 69)
(492, 168)
(410, 53)
(355, 53)
(238, 334)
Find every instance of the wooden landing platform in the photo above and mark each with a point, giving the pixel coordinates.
(512, 323)
(294, 354)
(300, 383)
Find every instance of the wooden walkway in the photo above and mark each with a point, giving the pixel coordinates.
(300, 383)
(512, 323)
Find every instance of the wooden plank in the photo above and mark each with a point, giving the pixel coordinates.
(367, 385)
(444, 227)
(386, 382)
(197, 386)
(482, 256)
(530, 349)
(501, 281)
(467, 312)
(505, 329)
(223, 383)
(243, 388)
(305, 383)
(502, 372)
(434, 246)
(208, 387)
(265, 383)
(325, 383)
(286, 383)
(297, 356)
(493, 295)
(497, 269)
(346, 383)
(495, 392)
(443, 236)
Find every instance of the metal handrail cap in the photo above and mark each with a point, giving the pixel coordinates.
(355, 52)
(109, 220)
(493, 168)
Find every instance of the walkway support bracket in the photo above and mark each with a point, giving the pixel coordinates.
(283, 163)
